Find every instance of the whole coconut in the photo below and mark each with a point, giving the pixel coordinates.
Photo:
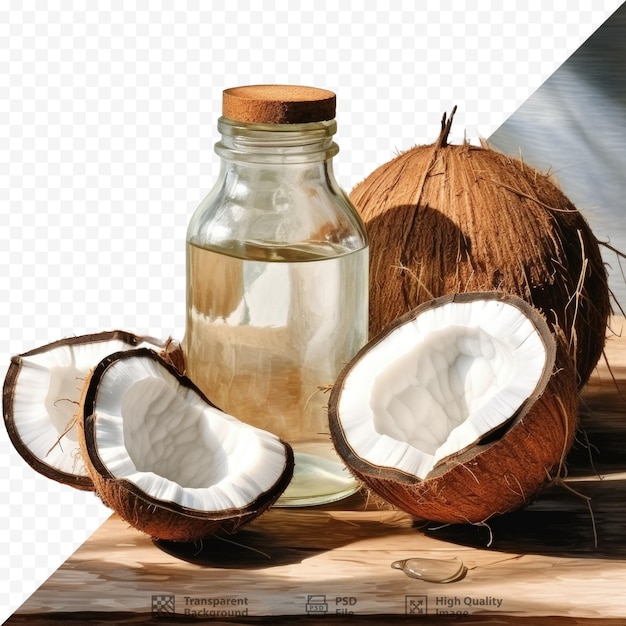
(446, 218)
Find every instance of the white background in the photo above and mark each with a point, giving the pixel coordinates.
(106, 147)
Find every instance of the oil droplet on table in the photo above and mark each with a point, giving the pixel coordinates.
(432, 570)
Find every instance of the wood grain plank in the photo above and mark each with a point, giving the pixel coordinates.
(564, 555)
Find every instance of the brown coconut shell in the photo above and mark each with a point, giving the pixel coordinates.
(445, 218)
(501, 473)
(506, 477)
(160, 519)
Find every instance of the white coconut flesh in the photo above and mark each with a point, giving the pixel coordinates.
(42, 393)
(164, 438)
(440, 382)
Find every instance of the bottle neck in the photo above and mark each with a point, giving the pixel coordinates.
(276, 143)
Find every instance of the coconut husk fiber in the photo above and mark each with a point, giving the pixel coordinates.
(446, 218)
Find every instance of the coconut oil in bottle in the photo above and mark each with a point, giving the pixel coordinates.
(277, 286)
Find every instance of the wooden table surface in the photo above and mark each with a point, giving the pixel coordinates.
(561, 560)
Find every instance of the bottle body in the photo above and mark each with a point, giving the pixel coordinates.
(277, 294)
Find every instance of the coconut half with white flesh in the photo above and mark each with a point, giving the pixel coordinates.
(461, 409)
(167, 460)
(41, 396)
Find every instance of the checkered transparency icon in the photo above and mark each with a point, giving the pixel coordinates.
(163, 605)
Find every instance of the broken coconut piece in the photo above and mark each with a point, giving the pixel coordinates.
(457, 412)
(41, 395)
(167, 460)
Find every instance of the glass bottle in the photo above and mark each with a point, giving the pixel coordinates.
(277, 278)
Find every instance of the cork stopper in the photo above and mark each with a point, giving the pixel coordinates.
(278, 104)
